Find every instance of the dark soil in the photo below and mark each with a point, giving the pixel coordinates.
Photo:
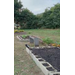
(51, 55)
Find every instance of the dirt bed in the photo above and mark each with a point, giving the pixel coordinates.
(51, 55)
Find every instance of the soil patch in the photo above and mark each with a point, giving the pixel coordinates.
(51, 55)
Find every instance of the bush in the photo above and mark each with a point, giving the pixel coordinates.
(29, 32)
(24, 36)
(47, 41)
(21, 30)
(58, 45)
(54, 45)
(17, 31)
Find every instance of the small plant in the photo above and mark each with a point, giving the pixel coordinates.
(54, 45)
(21, 30)
(16, 31)
(24, 36)
(29, 32)
(48, 41)
(58, 45)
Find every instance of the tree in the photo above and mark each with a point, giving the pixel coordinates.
(17, 7)
(51, 17)
(27, 20)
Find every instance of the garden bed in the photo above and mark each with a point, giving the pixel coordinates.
(23, 39)
(48, 59)
(51, 55)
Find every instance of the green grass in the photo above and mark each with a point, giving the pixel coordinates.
(53, 34)
(23, 64)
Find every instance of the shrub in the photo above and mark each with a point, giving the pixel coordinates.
(21, 30)
(58, 45)
(47, 41)
(54, 45)
(24, 36)
(29, 32)
(16, 31)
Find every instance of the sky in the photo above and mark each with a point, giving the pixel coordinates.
(38, 6)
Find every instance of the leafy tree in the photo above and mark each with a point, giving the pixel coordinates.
(17, 8)
(51, 17)
(27, 20)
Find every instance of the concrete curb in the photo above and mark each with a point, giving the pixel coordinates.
(46, 69)
(21, 39)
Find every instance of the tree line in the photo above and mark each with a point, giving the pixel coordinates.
(50, 18)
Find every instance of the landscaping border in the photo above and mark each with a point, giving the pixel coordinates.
(21, 39)
(46, 67)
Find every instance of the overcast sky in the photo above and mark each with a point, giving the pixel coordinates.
(38, 6)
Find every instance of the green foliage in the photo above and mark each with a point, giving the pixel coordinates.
(27, 20)
(17, 31)
(24, 36)
(17, 7)
(29, 32)
(51, 18)
(47, 41)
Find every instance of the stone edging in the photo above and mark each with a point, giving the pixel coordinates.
(46, 67)
(45, 47)
(21, 39)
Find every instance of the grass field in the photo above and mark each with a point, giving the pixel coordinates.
(23, 64)
(53, 34)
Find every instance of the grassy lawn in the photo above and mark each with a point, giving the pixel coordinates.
(53, 34)
(23, 64)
